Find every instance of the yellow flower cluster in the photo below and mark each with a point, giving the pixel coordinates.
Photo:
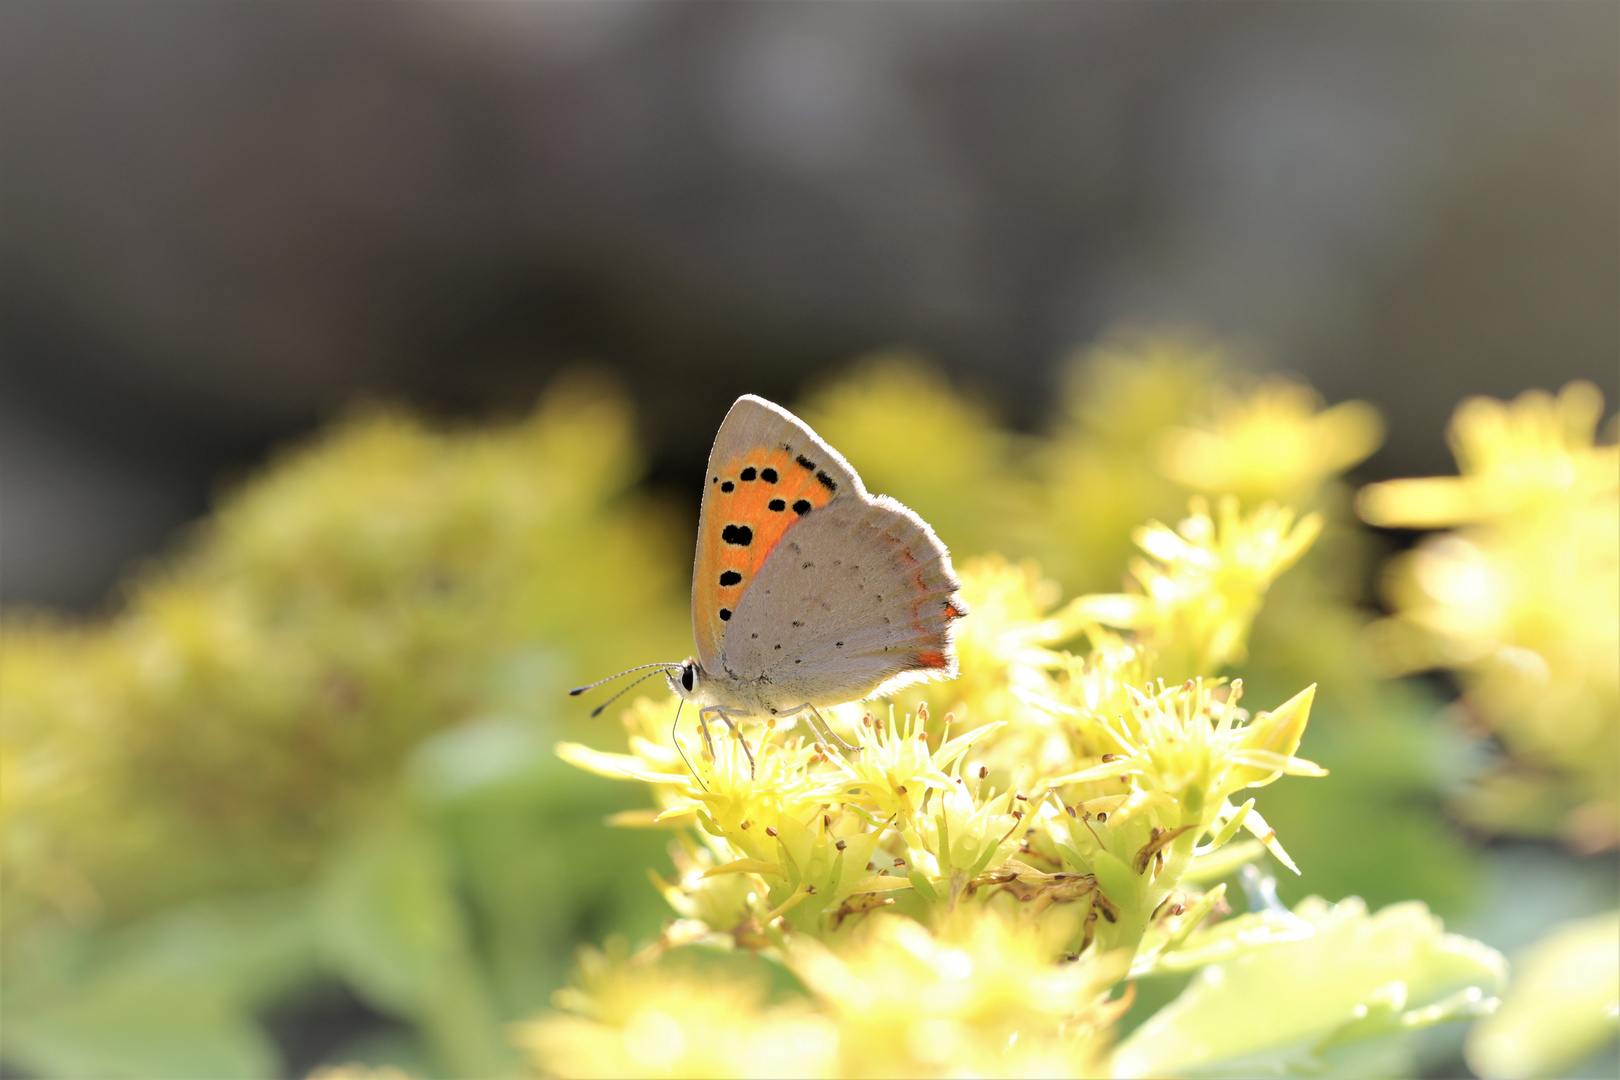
(1520, 599)
(960, 893)
(979, 997)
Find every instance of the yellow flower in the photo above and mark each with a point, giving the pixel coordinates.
(779, 821)
(625, 1019)
(1177, 757)
(1007, 656)
(983, 996)
(1202, 583)
(1523, 457)
(1521, 601)
(1272, 440)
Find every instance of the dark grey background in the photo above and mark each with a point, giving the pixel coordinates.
(220, 222)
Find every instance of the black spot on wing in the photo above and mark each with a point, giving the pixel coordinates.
(802, 507)
(728, 487)
(805, 463)
(768, 475)
(827, 482)
(730, 577)
(725, 614)
(777, 504)
(741, 535)
(747, 474)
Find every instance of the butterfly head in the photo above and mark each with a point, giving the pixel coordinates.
(686, 679)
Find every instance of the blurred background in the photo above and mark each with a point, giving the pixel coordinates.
(220, 224)
(295, 569)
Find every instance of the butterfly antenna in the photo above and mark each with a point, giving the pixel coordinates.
(680, 751)
(598, 710)
(578, 690)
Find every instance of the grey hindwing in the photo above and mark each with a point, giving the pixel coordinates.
(857, 593)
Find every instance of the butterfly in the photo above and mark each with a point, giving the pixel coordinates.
(807, 591)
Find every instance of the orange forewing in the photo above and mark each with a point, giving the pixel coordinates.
(744, 503)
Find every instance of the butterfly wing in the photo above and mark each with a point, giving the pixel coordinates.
(767, 473)
(858, 598)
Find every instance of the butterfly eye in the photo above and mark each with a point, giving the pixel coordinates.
(686, 676)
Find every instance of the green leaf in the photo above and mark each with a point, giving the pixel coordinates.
(387, 920)
(390, 924)
(924, 887)
(170, 997)
(121, 1029)
(1231, 938)
(1119, 883)
(1562, 1006)
(1286, 1008)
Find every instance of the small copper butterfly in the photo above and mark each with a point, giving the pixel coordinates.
(807, 591)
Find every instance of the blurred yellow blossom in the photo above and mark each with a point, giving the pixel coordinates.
(1524, 602)
(1527, 457)
(1270, 440)
(922, 440)
(257, 692)
(982, 996)
(624, 1019)
(1100, 472)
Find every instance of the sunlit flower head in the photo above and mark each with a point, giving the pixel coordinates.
(1202, 582)
(1175, 758)
(1009, 649)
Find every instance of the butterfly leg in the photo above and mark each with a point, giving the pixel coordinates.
(820, 725)
(716, 710)
(708, 740)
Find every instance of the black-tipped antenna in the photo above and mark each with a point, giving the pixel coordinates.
(578, 690)
(623, 691)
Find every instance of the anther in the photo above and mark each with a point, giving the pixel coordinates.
(984, 771)
(769, 831)
(840, 845)
(1109, 757)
